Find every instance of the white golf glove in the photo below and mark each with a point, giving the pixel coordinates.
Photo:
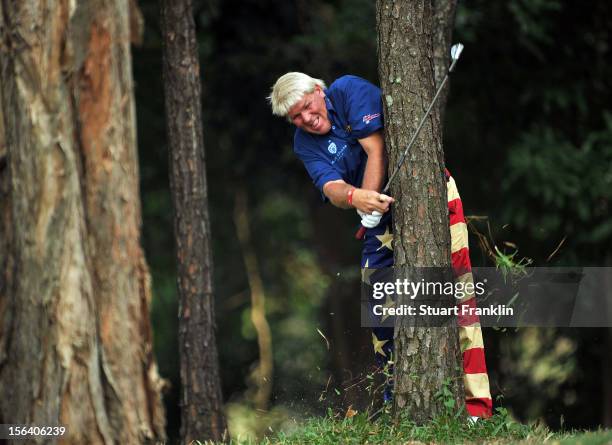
(369, 221)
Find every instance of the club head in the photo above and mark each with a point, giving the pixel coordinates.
(456, 50)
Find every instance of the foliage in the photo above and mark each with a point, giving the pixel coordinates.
(529, 144)
(573, 183)
(528, 139)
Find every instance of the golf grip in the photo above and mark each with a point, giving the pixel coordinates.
(360, 233)
(455, 52)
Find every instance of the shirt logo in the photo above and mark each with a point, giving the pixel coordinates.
(332, 148)
(370, 117)
(340, 153)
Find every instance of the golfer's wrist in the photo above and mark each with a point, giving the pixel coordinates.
(350, 196)
(358, 199)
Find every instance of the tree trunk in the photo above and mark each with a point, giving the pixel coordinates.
(426, 357)
(202, 415)
(75, 336)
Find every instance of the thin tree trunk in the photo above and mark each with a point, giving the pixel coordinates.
(202, 415)
(425, 357)
(75, 337)
(262, 374)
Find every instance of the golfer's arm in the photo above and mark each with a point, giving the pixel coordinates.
(373, 177)
(376, 167)
(337, 193)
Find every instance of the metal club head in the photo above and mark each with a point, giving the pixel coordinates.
(456, 50)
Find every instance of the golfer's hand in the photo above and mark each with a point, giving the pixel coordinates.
(369, 221)
(369, 201)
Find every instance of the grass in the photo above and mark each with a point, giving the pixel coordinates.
(453, 429)
(497, 430)
(359, 430)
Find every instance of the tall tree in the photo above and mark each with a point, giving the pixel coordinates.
(75, 336)
(426, 357)
(202, 415)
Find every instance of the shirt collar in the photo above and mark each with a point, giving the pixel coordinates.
(332, 115)
(328, 102)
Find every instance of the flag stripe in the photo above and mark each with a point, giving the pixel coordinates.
(474, 361)
(459, 237)
(455, 213)
(468, 286)
(467, 315)
(477, 385)
(461, 262)
(479, 407)
(470, 337)
(451, 189)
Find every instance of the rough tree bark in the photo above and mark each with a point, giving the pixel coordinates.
(426, 357)
(75, 336)
(202, 415)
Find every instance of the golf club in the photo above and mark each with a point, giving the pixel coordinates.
(456, 51)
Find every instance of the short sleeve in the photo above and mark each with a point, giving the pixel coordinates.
(363, 107)
(319, 169)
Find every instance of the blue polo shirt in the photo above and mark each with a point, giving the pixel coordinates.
(354, 107)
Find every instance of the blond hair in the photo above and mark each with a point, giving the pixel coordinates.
(289, 89)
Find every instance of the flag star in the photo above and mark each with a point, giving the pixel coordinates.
(366, 272)
(378, 344)
(386, 239)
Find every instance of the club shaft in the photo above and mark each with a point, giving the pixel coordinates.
(455, 56)
(418, 130)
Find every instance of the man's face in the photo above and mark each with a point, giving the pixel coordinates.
(310, 113)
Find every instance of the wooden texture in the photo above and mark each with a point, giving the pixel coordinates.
(202, 415)
(75, 335)
(425, 357)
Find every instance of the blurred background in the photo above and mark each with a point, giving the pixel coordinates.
(528, 137)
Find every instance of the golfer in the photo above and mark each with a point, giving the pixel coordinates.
(339, 139)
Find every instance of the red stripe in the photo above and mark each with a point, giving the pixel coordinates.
(468, 318)
(479, 407)
(461, 262)
(474, 361)
(455, 212)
